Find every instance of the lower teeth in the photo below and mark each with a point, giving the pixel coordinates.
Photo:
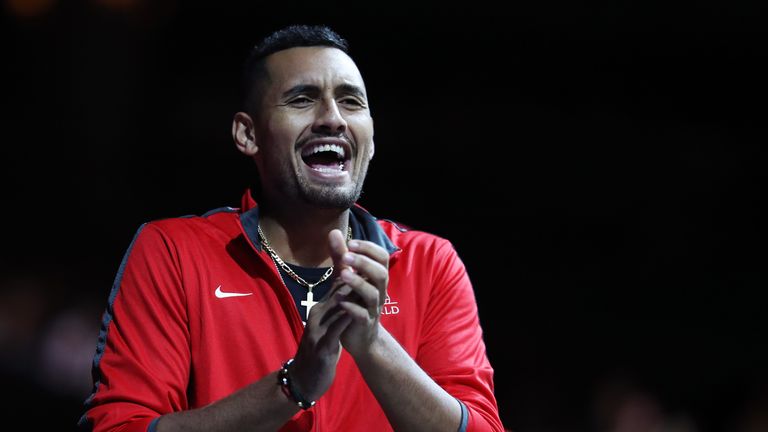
(328, 169)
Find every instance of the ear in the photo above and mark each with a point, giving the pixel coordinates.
(243, 134)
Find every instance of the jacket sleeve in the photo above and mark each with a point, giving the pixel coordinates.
(452, 350)
(142, 362)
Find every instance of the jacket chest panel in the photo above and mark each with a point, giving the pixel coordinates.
(238, 326)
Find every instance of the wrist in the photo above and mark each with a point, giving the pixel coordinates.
(373, 349)
(288, 387)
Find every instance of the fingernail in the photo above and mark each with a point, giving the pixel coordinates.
(353, 243)
(348, 258)
(346, 274)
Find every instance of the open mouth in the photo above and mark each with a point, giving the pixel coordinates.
(325, 158)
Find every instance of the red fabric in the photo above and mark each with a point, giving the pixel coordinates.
(172, 345)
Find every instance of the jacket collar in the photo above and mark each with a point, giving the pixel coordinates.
(364, 225)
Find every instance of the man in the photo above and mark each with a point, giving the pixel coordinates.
(213, 322)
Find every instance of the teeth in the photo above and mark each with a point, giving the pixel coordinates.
(339, 150)
(330, 169)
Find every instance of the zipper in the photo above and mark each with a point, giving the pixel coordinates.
(287, 293)
(316, 409)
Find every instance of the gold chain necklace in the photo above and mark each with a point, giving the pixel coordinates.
(286, 268)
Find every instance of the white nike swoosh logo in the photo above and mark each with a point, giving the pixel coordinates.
(222, 294)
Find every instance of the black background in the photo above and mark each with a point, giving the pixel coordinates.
(598, 166)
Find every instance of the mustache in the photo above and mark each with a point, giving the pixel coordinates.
(314, 136)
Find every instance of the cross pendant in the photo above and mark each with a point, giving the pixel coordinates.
(309, 302)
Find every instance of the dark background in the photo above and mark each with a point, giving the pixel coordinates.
(598, 166)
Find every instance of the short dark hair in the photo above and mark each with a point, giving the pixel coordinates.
(255, 71)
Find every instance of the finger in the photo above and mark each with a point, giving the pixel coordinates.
(319, 324)
(355, 312)
(337, 286)
(337, 247)
(371, 270)
(368, 293)
(329, 340)
(331, 306)
(370, 249)
(366, 266)
(343, 290)
(335, 329)
(329, 316)
(325, 308)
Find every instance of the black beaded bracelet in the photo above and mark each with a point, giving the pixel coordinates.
(284, 381)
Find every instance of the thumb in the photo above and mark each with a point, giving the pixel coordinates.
(338, 247)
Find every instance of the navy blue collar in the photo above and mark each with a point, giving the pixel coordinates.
(364, 227)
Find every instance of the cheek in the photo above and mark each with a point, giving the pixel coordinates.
(363, 135)
(289, 124)
(283, 134)
(370, 148)
(282, 128)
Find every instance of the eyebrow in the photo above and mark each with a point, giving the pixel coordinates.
(351, 90)
(301, 89)
(310, 89)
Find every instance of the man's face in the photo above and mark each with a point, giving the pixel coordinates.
(313, 128)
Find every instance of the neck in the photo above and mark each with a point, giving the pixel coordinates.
(301, 237)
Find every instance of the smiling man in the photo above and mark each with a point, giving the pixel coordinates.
(214, 323)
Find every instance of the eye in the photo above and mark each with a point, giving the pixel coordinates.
(300, 102)
(352, 102)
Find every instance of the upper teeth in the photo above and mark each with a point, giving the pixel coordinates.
(324, 148)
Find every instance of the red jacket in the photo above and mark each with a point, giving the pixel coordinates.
(169, 343)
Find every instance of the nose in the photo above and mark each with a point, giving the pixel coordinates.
(329, 118)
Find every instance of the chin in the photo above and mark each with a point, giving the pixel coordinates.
(331, 198)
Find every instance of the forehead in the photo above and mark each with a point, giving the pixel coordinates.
(320, 66)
